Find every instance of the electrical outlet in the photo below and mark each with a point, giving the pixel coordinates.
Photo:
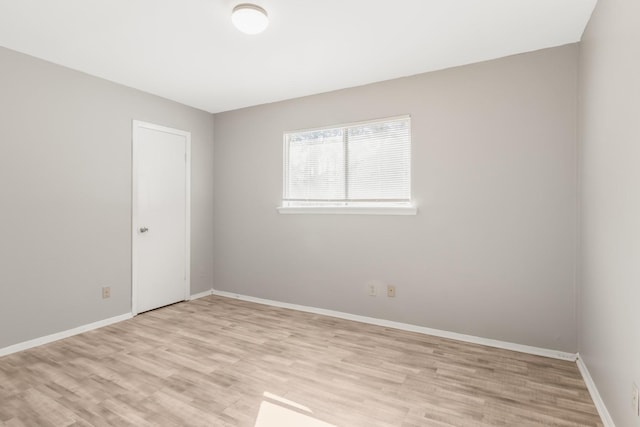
(391, 291)
(106, 292)
(372, 290)
(635, 400)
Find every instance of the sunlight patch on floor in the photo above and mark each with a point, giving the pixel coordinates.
(276, 411)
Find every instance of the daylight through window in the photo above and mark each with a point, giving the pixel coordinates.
(357, 165)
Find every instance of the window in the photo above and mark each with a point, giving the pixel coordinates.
(355, 168)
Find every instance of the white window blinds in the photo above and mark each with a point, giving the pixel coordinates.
(364, 164)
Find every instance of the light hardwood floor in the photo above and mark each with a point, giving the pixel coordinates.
(223, 362)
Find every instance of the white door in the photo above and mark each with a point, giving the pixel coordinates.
(160, 234)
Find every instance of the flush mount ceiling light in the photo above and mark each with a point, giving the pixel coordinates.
(249, 18)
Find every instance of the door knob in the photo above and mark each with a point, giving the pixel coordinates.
(143, 229)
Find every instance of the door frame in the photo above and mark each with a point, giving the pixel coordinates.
(135, 157)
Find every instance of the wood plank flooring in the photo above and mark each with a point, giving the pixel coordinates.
(223, 362)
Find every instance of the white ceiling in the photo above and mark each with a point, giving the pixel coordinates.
(188, 50)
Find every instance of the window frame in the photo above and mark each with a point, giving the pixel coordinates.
(389, 209)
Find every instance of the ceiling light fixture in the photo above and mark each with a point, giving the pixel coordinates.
(249, 18)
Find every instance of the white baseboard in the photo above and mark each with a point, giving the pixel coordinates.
(595, 395)
(75, 331)
(64, 334)
(200, 295)
(408, 327)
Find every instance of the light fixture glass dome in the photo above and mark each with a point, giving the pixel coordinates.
(249, 18)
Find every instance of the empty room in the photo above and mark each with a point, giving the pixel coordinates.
(319, 213)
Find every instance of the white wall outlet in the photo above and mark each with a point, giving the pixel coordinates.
(106, 292)
(373, 291)
(635, 400)
(391, 291)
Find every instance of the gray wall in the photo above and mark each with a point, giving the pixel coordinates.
(65, 195)
(609, 326)
(491, 252)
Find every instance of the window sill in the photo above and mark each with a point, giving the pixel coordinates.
(349, 210)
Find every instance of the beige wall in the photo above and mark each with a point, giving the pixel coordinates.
(609, 327)
(65, 195)
(491, 252)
